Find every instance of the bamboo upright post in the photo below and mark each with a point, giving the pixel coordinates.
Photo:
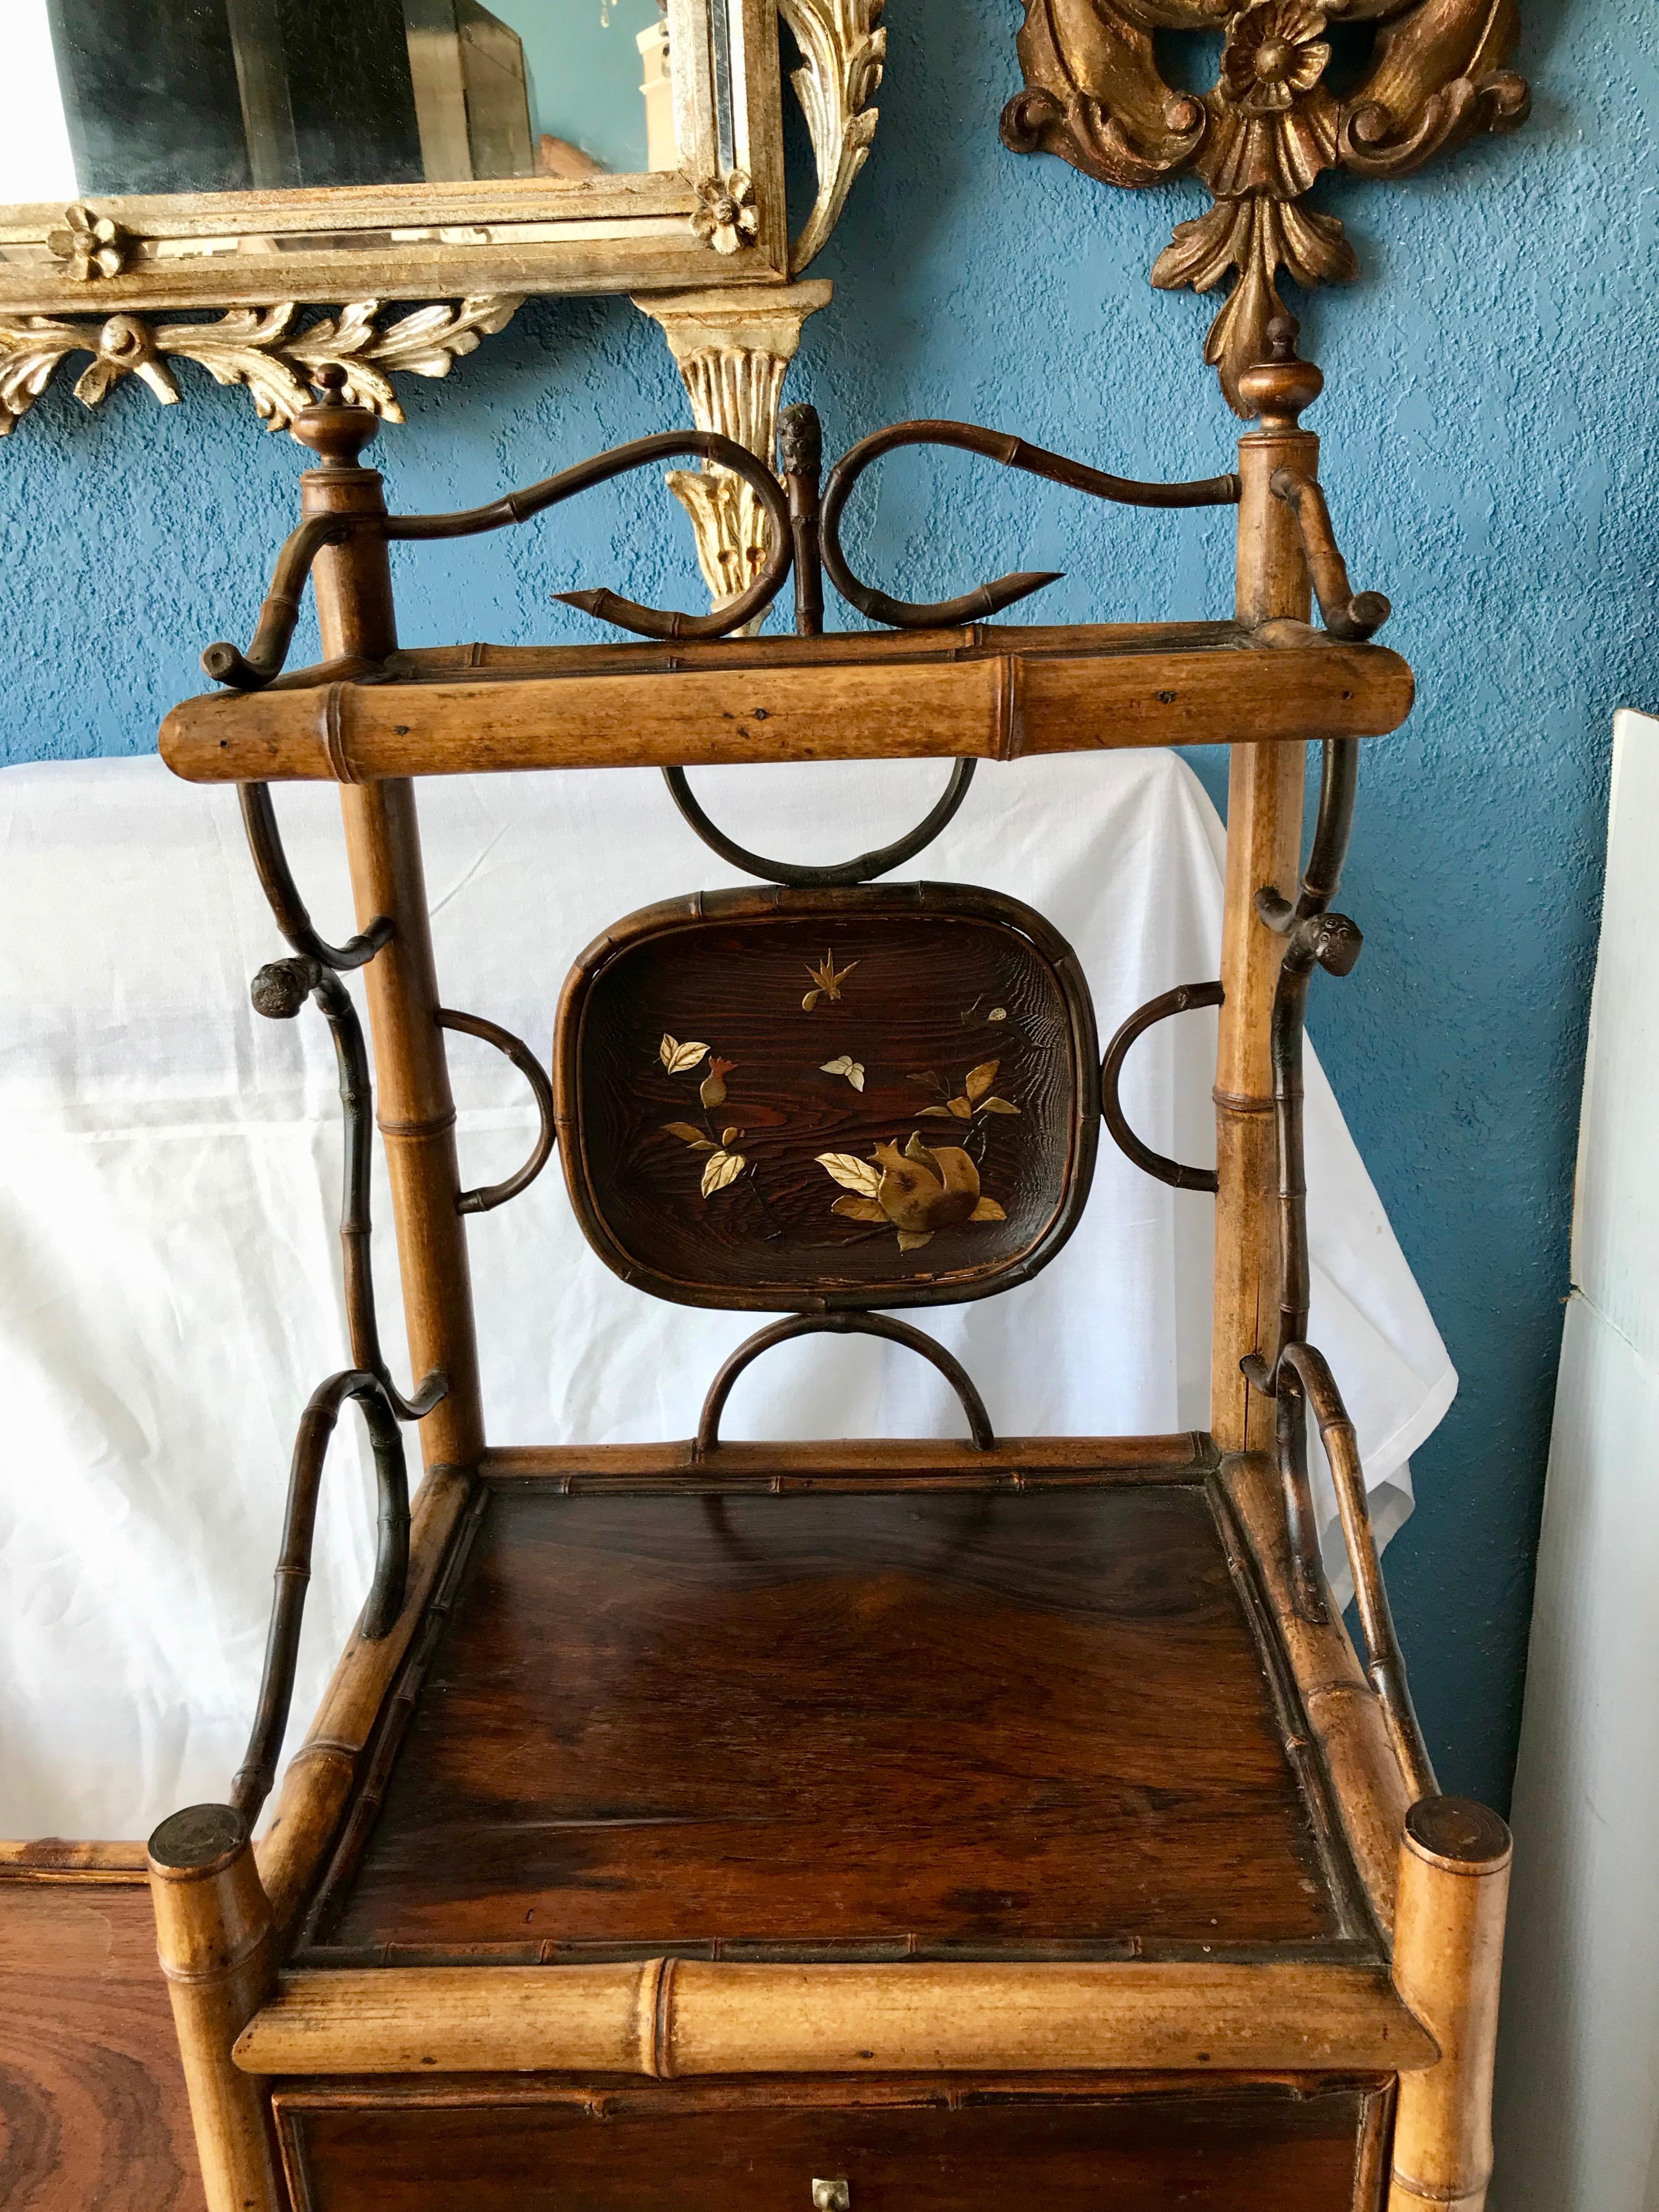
(416, 1109)
(1448, 1956)
(1264, 846)
(213, 1934)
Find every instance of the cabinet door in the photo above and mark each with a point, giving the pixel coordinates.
(1260, 2147)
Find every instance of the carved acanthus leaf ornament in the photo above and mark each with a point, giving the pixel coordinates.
(844, 51)
(1267, 130)
(262, 348)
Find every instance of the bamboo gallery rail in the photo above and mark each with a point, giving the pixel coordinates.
(257, 1992)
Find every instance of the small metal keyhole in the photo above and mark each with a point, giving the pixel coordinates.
(831, 2197)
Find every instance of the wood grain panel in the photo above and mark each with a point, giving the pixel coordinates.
(913, 1719)
(93, 2112)
(910, 2148)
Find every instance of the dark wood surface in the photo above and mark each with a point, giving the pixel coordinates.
(935, 995)
(909, 1720)
(93, 2113)
(900, 2146)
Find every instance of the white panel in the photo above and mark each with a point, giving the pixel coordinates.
(1615, 1231)
(168, 1271)
(1579, 2078)
(1579, 2070)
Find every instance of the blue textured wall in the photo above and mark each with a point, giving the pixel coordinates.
(1489, 437)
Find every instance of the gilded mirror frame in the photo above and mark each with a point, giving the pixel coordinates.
(93, 278)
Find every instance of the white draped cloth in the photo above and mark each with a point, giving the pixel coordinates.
(169, 1192)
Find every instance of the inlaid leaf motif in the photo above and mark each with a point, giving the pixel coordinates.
(980, 1079)
(910, 1241)
(844, 1064)
(859, 1176)
(688, 1135)
(730, 1136)
(987, 1210)
(719, 1169)
(948, 1112)
(997, 1106)
(998, 1014)
(679, 1058)
(858, 1209)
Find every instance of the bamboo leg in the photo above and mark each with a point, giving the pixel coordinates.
(1264, 846)
(1448, 1954)
(214, 1937)
(417, 1111)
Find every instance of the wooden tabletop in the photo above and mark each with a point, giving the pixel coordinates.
(880, 1722)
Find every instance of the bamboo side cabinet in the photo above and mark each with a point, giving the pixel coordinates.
(843, 1825)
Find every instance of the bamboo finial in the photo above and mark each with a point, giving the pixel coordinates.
(1278, 389)
(335, 430)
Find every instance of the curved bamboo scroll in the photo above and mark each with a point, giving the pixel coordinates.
(985, 599)
(799, 876)
(1185, 995)
(1352, 615)
(488, 1196)
(1297, 1376)
(277, 881)
(279, 991)
(842, 1324)
(274, 633)
(385, 1597)
(1385, 1664)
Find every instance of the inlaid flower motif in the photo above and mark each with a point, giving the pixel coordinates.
(723, 1165)
(1275, 50)
(827, 979)
(726, 216)
(713, 1090)
(93, 244)
(919, 1190)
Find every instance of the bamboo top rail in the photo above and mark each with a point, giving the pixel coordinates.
(987, 692)
(675, 2017)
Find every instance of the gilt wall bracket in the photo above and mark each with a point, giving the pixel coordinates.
(732, 351)
(1435, 75)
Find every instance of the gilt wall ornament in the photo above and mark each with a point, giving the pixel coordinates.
(844, 52)
(264, 349)
(1270, 125)
(132, 273)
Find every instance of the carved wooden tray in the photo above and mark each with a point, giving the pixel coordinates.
(796, 1100)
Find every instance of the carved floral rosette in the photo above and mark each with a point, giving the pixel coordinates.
(1266, 132)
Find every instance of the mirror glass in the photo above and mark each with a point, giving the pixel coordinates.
(101, 99)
